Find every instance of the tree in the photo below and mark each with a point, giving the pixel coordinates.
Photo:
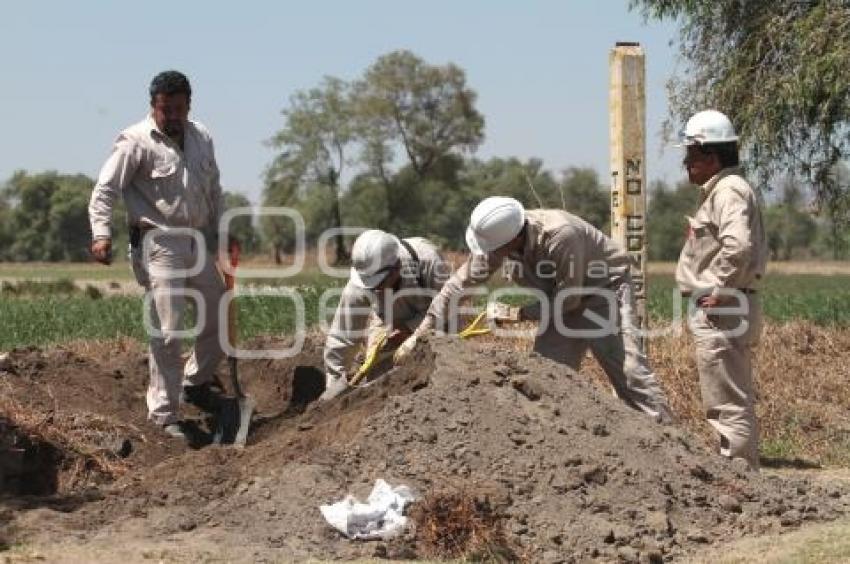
(242, 227)
(281, 190)
(313, 145)
(426, 111)
(837, 206)
(584, 196)
(365, 202)
(47, 217)
(400, 105)
(30, 196)
(527, 181)
(667, 225)
(788, 226)
(778, 68)
(6, 236)
(69, 232)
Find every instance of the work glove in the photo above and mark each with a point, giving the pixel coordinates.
(403, 352)
(499, 313)
(333, 388)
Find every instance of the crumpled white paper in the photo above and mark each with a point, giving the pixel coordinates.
(379, 518)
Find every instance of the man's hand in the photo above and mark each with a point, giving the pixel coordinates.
(403, 352)
(396, 339)
(101, 250)
(708, 302)
(500, 313)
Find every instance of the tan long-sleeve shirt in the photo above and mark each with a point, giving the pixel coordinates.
(161, 185)
(562, 251)
(726, 246)
(360, 311)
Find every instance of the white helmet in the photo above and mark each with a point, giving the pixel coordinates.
(373, 255)
(493, 223)
(708, 126)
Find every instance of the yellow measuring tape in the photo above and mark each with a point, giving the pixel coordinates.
(477, 327)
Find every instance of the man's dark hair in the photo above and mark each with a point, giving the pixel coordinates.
(727, 153)
(169, 83)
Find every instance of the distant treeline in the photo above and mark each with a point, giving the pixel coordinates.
(43, 217)
(393, 149)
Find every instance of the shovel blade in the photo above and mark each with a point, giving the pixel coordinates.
(247, 405)
(234, 421)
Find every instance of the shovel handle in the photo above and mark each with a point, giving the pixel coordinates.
(233, 251)
(230, 284)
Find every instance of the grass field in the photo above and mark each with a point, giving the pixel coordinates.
(48, 312)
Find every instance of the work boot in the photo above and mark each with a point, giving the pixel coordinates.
(202, 396)
(177, 430)
(335, 387)
(188, 432)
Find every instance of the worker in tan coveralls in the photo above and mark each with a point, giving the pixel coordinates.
(559, 254)
(391, 285)
(165, 170)
(720, 266)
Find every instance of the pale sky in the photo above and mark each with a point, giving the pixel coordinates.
(76, 72)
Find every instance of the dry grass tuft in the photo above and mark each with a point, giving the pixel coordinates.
(102, 348)
(79, 440)
(803, 400)
(456, 524)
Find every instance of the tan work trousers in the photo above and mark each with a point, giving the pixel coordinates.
(159, 273)
(619, 352)
(724, 362)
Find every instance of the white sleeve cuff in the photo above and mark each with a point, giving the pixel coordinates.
(101, 232)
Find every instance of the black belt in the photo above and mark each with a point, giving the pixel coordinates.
(137, 233)
(748, 291)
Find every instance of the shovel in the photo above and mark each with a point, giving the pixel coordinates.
(234, 417)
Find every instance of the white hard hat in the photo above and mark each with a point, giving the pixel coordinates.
(708, 126)
(494, 223)
(373, 255)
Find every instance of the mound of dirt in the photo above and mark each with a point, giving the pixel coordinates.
(566, 471)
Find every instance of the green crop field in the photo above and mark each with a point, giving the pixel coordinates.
(42, 321)
(52, 311)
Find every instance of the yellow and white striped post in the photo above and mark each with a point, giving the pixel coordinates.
(627, 107)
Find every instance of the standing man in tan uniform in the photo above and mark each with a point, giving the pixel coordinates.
(164, 168)
(585, 279)
(720, 266)
(391, 285)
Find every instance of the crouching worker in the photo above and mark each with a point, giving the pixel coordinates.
(390, 288)
(583, 278)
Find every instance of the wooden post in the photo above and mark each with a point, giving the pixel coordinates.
(627, 108)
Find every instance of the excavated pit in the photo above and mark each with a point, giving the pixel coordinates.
(565, 471)
(28, 465)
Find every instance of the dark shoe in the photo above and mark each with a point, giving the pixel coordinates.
(188, 432)
(177, 430)
(203, 396)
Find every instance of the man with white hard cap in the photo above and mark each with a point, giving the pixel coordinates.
(720, 266)
(391, 285)
(579, 270)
